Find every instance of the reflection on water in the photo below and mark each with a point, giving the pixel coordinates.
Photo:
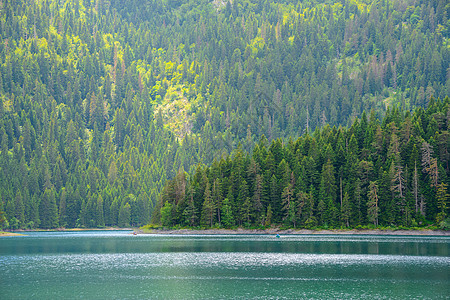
(119, 265)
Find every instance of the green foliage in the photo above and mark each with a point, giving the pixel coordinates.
(3, 221)
(442, 200)
(100, 100)
(383, 198)
(227, 214)
(48, 211)
(445, 224)
(166, 214)
(124, 215)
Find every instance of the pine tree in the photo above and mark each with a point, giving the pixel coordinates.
(328, 194)
(63, 208)
(293, 213)
(10, 209)
(398, 186)
(19, 209)
(48, 211)
(114, 211)
(287, 202)
(34, 212)
(208, 208)
(246, 212)
(227, 214)
(311, 220)
(257, 200)
(269, 213)
(345, 210)
(190, 212)
(217, 198)
(321, 209)
(442, 200)
(357, 204)
(372, 203)
(3, 221)
(416, 188)
(429, 163)
(274, 197)
(124, 215)
(99, 218)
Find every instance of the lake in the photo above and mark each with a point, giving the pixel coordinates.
(119, 265)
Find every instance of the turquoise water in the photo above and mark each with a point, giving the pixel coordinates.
(118, 265)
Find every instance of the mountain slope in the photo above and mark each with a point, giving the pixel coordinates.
(103, 101)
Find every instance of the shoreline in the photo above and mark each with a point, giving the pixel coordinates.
(241, 231)
(74, 229)
(23, 232)
(5, 233)
(273, 231)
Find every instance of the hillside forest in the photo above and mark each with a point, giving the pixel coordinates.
(393, 173)
(223, 113)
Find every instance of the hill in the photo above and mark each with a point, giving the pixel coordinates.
(103, 101)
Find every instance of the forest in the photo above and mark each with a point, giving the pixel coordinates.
(389, 173)
(107, 106)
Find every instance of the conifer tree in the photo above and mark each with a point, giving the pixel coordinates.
(227, 214)
(166, 214)
(372, 203)
(345, 210)
(3, 221)
(125, 215)
(257, 199)
(48, 211)
(268, 219)
(208, 208)
(288, 205)
(63, 208)
(217, 198)
(442, 198)
(246, 212)
(190, 213)
(19, 208)
(99, 220)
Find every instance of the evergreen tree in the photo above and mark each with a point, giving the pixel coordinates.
(345, 210)
(48, 211)
(3, 221)
(190, 212)
(124, 215)
(372, 204)
(208, 208)
(268, 219)
(442, 198)
(63, 208)
(227, 214)
(19, 208)
(100, 220)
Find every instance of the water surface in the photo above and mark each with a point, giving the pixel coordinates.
(118, 265)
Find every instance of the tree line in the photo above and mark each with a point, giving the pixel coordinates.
(389, 173)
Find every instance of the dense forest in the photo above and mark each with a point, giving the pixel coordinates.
(103, 101)
(393, 173)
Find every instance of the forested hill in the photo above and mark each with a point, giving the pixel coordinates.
(102, 101)
(393, 173)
